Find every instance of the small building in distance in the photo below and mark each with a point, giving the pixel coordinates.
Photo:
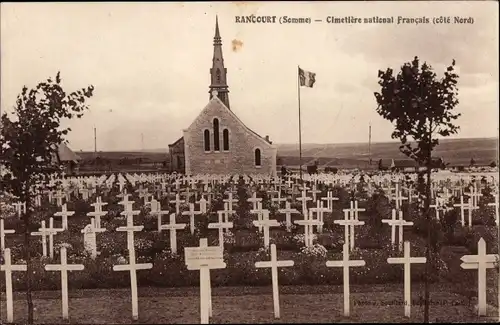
(177, 157)
(67, 158)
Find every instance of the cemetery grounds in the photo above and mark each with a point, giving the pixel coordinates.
(309, 291)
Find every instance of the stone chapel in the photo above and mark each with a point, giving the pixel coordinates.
(217, 141)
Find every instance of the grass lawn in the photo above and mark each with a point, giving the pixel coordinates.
(299, 304)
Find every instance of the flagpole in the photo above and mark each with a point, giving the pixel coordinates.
(300, 130)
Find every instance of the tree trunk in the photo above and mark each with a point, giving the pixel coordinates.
(427, 204)
(27, 256)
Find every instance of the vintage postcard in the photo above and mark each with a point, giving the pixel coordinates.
(249, 162)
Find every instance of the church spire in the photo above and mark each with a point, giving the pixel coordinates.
(218, 73)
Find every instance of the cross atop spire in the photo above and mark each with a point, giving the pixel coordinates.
(218, 73)
(217, 39)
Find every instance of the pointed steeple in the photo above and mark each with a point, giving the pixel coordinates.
(217, 33)
(218, 73)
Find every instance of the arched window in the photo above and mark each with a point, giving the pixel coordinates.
(225, 139)
(257, 157)
(216, 135)
(207, 140)
(217, 75)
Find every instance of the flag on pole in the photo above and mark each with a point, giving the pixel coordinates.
(307, 78)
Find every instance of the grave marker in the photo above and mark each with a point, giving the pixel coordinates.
(133, 267)
(407, 261)
(220, 225)
(64, 214)
(191, 213)
(4, 232)
(288, 211)
(274, 264)
(265, 223)
(8, 268)
(64, 267)
(480, 262)
(345, 263)
(204, 258)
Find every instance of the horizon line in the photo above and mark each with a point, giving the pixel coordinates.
(291, 143)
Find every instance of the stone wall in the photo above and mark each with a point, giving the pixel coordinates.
(240, 158)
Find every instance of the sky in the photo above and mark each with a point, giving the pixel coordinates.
(149, 64)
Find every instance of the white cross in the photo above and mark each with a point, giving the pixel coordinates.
(345, 263)
(265, 223)
(64, 214)
(393, 222)
(474, 195)
(438, 207)
(329, 200)
(59, 196)
(8, 268)
(314, 191)
(221, 225)
(130, 228)
(125, 202)
(274, 264)
(407, 261)
(51, 232)
(349, 223)
(191, 213)
(254, 199)
(462, 207)
(259, 213)
(173, 227)
(98, 213)
(44, 232)
(177, 202)
(308, 224)
(279, 199)
(481, 262)
(319, 210)
(495, 204)
(469, 209)
(230, 202)
(20, 207)
(156, 210)
(353, 210)
(196, 259)
(303, 199)
(288, 211)
(132, 267)
(64, 267)
(4, 232)
(398, 198)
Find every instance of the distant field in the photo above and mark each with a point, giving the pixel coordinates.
(455, 152)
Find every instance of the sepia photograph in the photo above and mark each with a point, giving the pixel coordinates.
(249, 162)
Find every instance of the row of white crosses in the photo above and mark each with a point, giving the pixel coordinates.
(205, 258)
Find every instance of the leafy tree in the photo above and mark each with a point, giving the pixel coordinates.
(30, 137)
(472, 162)
(421, 107)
